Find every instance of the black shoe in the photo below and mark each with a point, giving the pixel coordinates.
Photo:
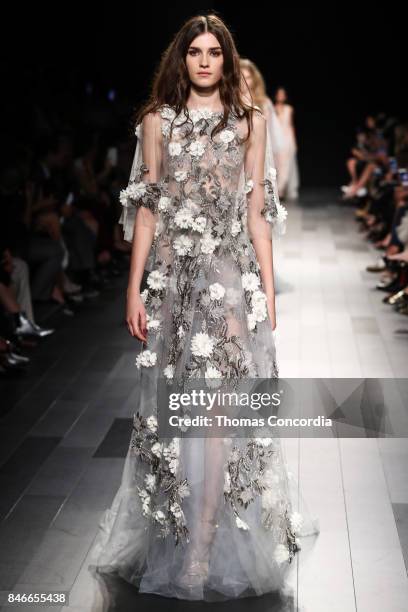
(392, 287)
(10, 361)
(14, 352)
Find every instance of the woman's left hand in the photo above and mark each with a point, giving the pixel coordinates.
(270, 303)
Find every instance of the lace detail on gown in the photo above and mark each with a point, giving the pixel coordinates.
(200, 516)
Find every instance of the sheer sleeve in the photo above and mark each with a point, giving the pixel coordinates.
(141, 197)
(265, 213)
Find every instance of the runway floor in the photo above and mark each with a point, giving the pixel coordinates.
(65, 433)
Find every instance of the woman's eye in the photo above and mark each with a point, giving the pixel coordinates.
(214, 53)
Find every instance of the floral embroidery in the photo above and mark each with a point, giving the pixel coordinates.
(140, 193)
(161, 482)
(201, 220)
(246, 478)
(146, 358)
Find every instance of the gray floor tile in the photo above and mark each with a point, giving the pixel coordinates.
(401, 519)
(116, 441)
(365, 325)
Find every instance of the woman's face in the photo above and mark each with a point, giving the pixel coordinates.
(247, 74)
(280, 95)
(205, 60)
(370, 122)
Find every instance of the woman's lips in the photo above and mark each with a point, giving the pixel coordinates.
(204, 73)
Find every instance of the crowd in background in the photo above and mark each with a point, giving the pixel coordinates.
(60, 241)
(378, 170)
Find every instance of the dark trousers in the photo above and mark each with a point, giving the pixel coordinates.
(45, 257)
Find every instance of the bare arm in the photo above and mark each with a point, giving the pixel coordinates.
(144, 228)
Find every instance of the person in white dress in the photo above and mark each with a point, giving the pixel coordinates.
(288, 177)
(255, 83)
(201, 518)
(254, 86)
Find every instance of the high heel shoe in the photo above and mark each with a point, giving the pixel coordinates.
(195, 572)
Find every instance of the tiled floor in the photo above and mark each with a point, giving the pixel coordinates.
(67, 426)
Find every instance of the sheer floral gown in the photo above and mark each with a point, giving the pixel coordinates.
(201, 518)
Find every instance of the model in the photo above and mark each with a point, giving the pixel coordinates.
(288, 178)
(201, 517)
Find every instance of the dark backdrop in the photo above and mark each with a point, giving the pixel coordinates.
(338, 62)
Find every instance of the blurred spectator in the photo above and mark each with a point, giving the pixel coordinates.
(60, 241)
(378, 168)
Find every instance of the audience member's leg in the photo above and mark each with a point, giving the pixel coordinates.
(46, 256)
(80, 241)
(20, 278)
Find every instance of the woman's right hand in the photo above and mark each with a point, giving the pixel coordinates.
(270, 304)
(136, 317)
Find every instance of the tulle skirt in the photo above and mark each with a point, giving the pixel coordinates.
(203, 518)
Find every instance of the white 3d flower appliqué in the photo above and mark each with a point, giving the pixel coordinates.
(146, 359)
(150, 482)
(199, 224)
(183, 218)
(169, 371)
(156, 280)
(202, 345)
(134, 191)
(250, 281)
(164, 203)
(251, 320)
(217, 291)
(241, 524)
(235, 228)
(167, 113)
(272, 173)
(282, 213)
(208, 244)
(180, 175)
(296, 521)
(157, 449)
(196, 148)
(152, 324)
(151, 423)
(281, 554)
(175, 149)
(226, 136)
(182, 245)
(249, 185)
(195, 115)
(213, 376)
(159, 516)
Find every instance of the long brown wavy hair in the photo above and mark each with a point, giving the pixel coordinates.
(171, 83)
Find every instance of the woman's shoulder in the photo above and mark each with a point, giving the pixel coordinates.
(267, 103)
(148, 125)
(258, 116)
